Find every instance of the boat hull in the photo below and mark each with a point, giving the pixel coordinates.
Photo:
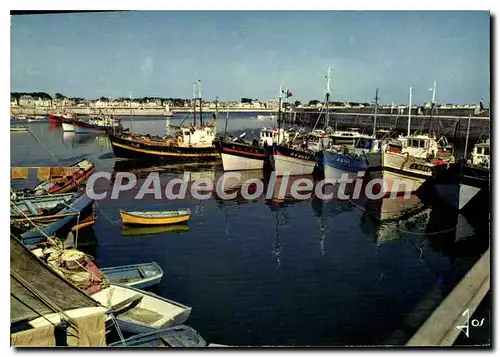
(177, 336)
(239, 157)
(136, 220)
(134, 323)
(139, 150)
(399, 173)
(82, 204)
(338, 167)
(135, 275)
(82, 128)
(292, 162)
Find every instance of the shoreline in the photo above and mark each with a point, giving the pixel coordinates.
(131, 112)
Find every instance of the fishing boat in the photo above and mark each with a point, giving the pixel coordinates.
(290, 157)
(270, 136)
(98, 124)
(191, 144)
(177, 336)
(240, 156)
(140, 276)
(52, 214)
(346, 162)
(139, 231)
(57, 118)
(291, 160)
(141, 311)
(151, 218)
(58, 179)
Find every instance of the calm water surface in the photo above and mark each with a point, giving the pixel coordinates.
(260, 273)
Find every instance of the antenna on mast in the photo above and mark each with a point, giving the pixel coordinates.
(375, 114)
(327, 96)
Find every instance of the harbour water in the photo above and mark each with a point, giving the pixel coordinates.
(257, 273)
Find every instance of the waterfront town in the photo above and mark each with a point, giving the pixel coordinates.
(44, 101)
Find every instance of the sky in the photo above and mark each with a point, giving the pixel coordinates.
(252, 53)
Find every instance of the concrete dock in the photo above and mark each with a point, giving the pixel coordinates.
(452, 316)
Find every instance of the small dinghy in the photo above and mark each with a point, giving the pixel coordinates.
(140, 276)
(150, 218)
(178, 336)
(140, 311)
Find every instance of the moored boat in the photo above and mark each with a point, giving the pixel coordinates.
(73, 265)
(291, 161)
(190, 145)
(35, 289)
(57, 118)
(140, 276)
(58, 179)
(54, 214)
(177, 336)
(96, 125)
(150, 218)
(141, 311)
(240, 156)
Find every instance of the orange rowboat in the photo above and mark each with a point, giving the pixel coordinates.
(149, 218)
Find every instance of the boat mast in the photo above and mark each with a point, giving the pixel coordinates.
(433, 103)
(194, 104)
(376, 112)
(279, 113)
(467, 138)
(199, 98)
(327, 97)
(409, 112)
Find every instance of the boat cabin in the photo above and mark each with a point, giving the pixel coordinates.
(196, 135)
(481, 154)
(272, 136)
(366, 144)
(421, 146)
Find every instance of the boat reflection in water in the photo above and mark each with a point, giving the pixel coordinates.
(71, 139)
(130, 231)
(389, 218)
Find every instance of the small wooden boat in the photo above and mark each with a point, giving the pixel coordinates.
(73, 265)
(150, 218)
(138, 231)
(52, 214)
(58, 179)
(139, 311)
(178, 336)
(140, 276)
